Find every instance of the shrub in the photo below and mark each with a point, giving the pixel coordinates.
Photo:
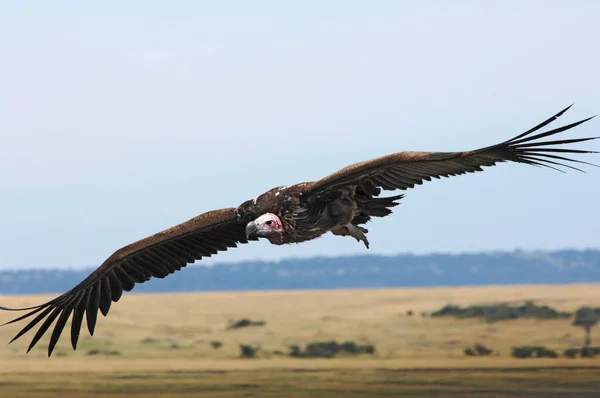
(295, 351)
(98, 351)
(325, 349)
(533, 351)
(571, 352)
(216, 344)
(522, 352)
(469, 352)
(242, 323)
(409, 313)
(546, 353)
(247, 351)
(482, 350)
(367, 349)
(149, 340)
(349, 347)
(500, 312)
(478, 350)
(329, 349)
(590, 352)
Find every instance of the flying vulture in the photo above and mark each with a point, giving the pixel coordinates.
(340, 203)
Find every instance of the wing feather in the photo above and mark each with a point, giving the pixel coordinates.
(62, 320)
(156, 256)
(404, 170)
(77, 320)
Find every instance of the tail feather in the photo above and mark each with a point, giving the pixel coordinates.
(374, 207)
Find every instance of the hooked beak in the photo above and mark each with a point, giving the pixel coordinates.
(251, 230)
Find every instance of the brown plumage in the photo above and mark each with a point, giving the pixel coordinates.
(339, 203)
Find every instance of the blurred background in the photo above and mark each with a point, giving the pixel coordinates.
(120, 119)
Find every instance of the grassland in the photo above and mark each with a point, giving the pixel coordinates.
(164, 348)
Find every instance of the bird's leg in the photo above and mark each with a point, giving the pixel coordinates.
(358, 233)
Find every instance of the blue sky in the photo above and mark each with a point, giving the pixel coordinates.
(120, 119)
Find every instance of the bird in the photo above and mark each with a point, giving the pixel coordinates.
(340, 203)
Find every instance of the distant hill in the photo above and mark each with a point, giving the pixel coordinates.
(369, 271)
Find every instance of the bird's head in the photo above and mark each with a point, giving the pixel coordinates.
(266, 226)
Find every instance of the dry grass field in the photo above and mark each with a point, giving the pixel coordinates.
(163, 345)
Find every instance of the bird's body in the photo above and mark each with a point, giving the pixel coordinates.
(341, 203)
(306, 215)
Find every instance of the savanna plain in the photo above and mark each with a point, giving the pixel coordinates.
(176, 345)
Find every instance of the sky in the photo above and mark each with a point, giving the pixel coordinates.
(121, 119)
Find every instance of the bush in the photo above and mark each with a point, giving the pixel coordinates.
(533, 351)
(216, 344)
(350, 347)
(469, 352)
(478, 350)
(590, 352)
(329, 349)
(242, 323)
(546, 353)
(522, 352)
(482, 350)
(585, 352)
(500, 312)
(247, 351)
(367, 349)
(295, 351)
(571, 352)
(103, 352)
(409, 313)
(326, 349)
(149, 340)
(594, 350)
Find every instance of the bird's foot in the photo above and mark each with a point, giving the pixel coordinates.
(358, 233)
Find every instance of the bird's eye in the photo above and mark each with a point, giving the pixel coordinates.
(269, 222)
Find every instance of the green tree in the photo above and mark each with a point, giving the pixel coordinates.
(586, 318)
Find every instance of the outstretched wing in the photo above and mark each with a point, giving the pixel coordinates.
(155, 256)
(404, 170)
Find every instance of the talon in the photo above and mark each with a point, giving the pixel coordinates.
(358, 233)
(354, 231)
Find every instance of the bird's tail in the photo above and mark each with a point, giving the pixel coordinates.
(374, 207)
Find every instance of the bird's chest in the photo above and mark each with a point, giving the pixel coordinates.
(308, 217)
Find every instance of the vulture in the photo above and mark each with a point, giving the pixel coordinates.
(340, 203)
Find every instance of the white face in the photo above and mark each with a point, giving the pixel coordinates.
(268, 221)
(266, 226)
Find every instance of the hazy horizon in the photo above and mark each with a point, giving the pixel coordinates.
(119, 120)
